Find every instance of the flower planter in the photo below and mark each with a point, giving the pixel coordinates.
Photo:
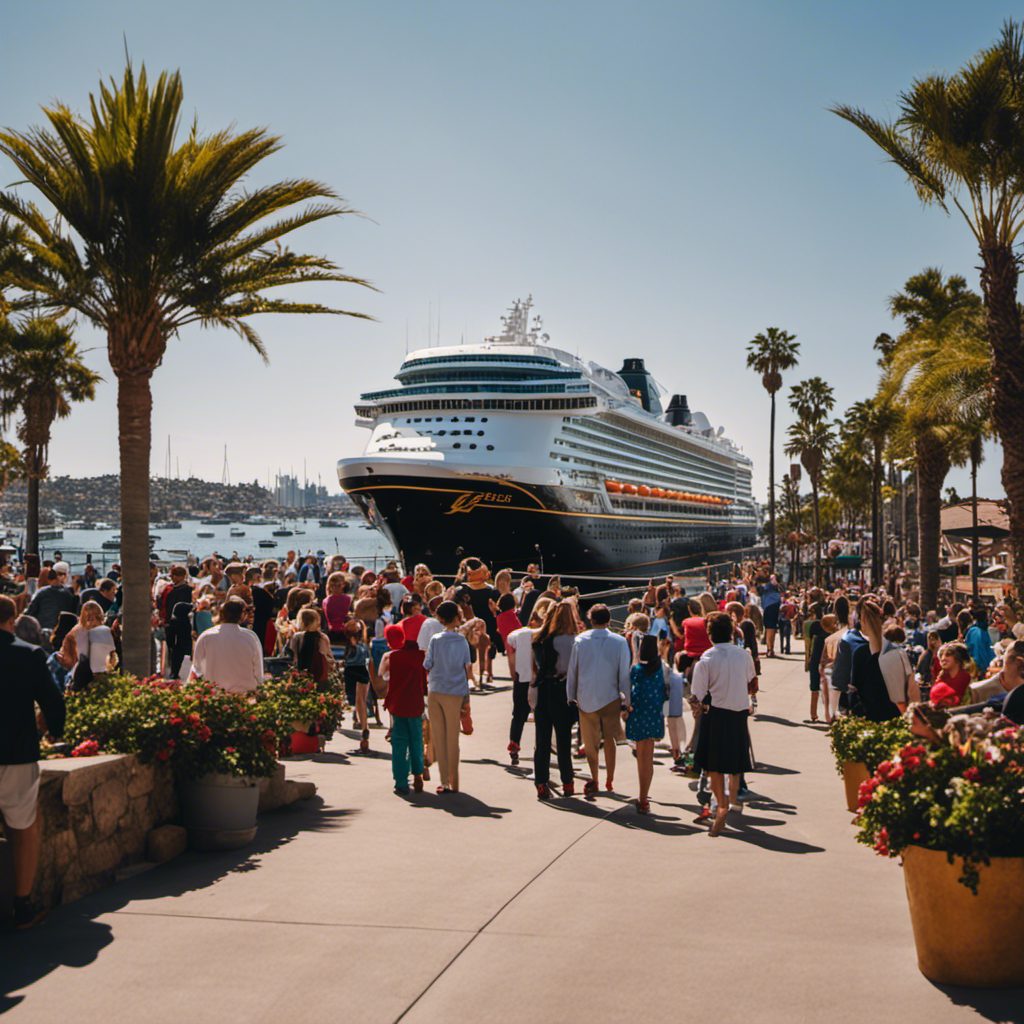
(854, 773)
(219, 811)
(303, 743)
(963, 939)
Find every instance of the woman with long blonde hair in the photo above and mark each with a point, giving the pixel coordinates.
(551, 649)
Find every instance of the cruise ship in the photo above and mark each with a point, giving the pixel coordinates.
(517, 452)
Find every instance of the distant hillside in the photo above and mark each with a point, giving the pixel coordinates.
(99, 498)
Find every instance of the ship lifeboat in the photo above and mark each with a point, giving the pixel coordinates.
(644, 491)
(612, 486)
(674, 495)
(658, 492)
(629, 489)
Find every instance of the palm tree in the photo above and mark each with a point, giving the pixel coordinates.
(769, 354)
(42, 375)
(811, 440)
(149, 237)
(960, 141)
(941, 353)
(812, 399)
(874, 420)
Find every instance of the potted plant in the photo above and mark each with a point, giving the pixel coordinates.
(306, 708)
(954, 811)
(219, 745)
(860, 746)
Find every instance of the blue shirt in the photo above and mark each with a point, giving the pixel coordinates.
(980, 646)
(446, 661)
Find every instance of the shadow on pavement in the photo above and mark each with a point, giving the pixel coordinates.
(72, 937)
(459, 805)
(816, 726)
(740, 826)
(1003, 1005)
(773, 769)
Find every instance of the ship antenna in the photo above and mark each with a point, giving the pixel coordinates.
(406, 335)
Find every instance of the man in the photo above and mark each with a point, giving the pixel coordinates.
(228, 655)
(853, 648)
(771, 601)
(103, 594)
(310, 570)
(262, 602)
(598, 683)
(24, 682)
(50, 601)
(397, 590)
(234, 575)
(178, 591)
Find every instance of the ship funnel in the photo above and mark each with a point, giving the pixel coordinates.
(641, 384)
(678, 414)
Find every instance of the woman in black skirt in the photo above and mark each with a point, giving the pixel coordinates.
(722, 682)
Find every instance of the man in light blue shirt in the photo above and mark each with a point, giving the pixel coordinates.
(598, 682)
(447, 663)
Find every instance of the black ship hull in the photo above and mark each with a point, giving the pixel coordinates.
(441, 520)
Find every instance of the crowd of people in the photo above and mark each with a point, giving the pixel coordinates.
(415, 649)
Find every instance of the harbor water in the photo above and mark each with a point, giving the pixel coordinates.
(358, 543)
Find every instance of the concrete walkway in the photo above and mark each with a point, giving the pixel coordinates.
(490, 906)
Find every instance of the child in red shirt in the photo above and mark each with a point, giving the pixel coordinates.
(407, 683)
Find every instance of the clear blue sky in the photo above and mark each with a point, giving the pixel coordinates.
(663, 177)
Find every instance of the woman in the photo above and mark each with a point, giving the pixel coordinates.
(178, 634)
(357, 676)
(771, 603)
(955, 670)
(336, 604)
(483, 598)
(644, 720)
(92, 637)
(866, 676)
(311, 648)
(474, 629)
(551, 649)
(720, 699)
(816, 636)
(694, 631)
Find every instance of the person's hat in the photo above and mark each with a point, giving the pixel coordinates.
(395, 637)
(62, 567)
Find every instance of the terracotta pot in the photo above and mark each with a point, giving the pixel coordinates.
(854, 773)
(303, 743)
(963, 939)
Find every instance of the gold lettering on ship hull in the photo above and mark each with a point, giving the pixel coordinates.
(468, 500)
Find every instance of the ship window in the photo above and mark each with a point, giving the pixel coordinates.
(456, 445)
(472, 446)
(471, 419)
(417, 420)
(455, 419)
(441, 433)
(479, 433)
(483, 419)
(490, 447)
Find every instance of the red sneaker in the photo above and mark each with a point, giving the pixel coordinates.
(590, 788)
(569, 789)
(543, 793)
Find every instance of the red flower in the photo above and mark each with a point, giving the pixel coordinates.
(229, 750)
(176, 720)
(972, 774)
(163, 754)
(883, 769)
(896, 773)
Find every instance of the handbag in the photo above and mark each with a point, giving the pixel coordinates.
(82, 674)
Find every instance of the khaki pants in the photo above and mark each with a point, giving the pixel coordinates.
(603, 721)
(445, 715)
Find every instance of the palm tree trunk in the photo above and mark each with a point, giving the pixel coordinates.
(817, 533)
(1002, 321)
(771, 488)
(932, 467)
(876, 561)
(974, 517)
(32, 502)
(134, 411)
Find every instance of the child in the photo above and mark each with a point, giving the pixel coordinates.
(357, 676)
(402, 666)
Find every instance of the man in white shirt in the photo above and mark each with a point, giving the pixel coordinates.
(228, 655)
(396, 589)
(598, 682)
(431, 627)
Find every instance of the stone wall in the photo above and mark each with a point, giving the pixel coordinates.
(96, 814)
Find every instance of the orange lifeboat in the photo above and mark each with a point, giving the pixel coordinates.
(612, 486)
(674, 495)
(629, 489)
(658, 492)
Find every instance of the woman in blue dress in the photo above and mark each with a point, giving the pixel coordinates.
(645, 721)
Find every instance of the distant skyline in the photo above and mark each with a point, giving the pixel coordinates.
(664, 178)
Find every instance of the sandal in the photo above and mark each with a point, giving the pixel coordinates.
(643, 806)
(364, 743)
(590, 788)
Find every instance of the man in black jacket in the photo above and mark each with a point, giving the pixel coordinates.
(24, 682)
(50, 601)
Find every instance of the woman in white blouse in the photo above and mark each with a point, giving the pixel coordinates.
(92, 637)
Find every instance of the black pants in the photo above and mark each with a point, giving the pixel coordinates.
(520, 711)
(785, 635)
(553, 712)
